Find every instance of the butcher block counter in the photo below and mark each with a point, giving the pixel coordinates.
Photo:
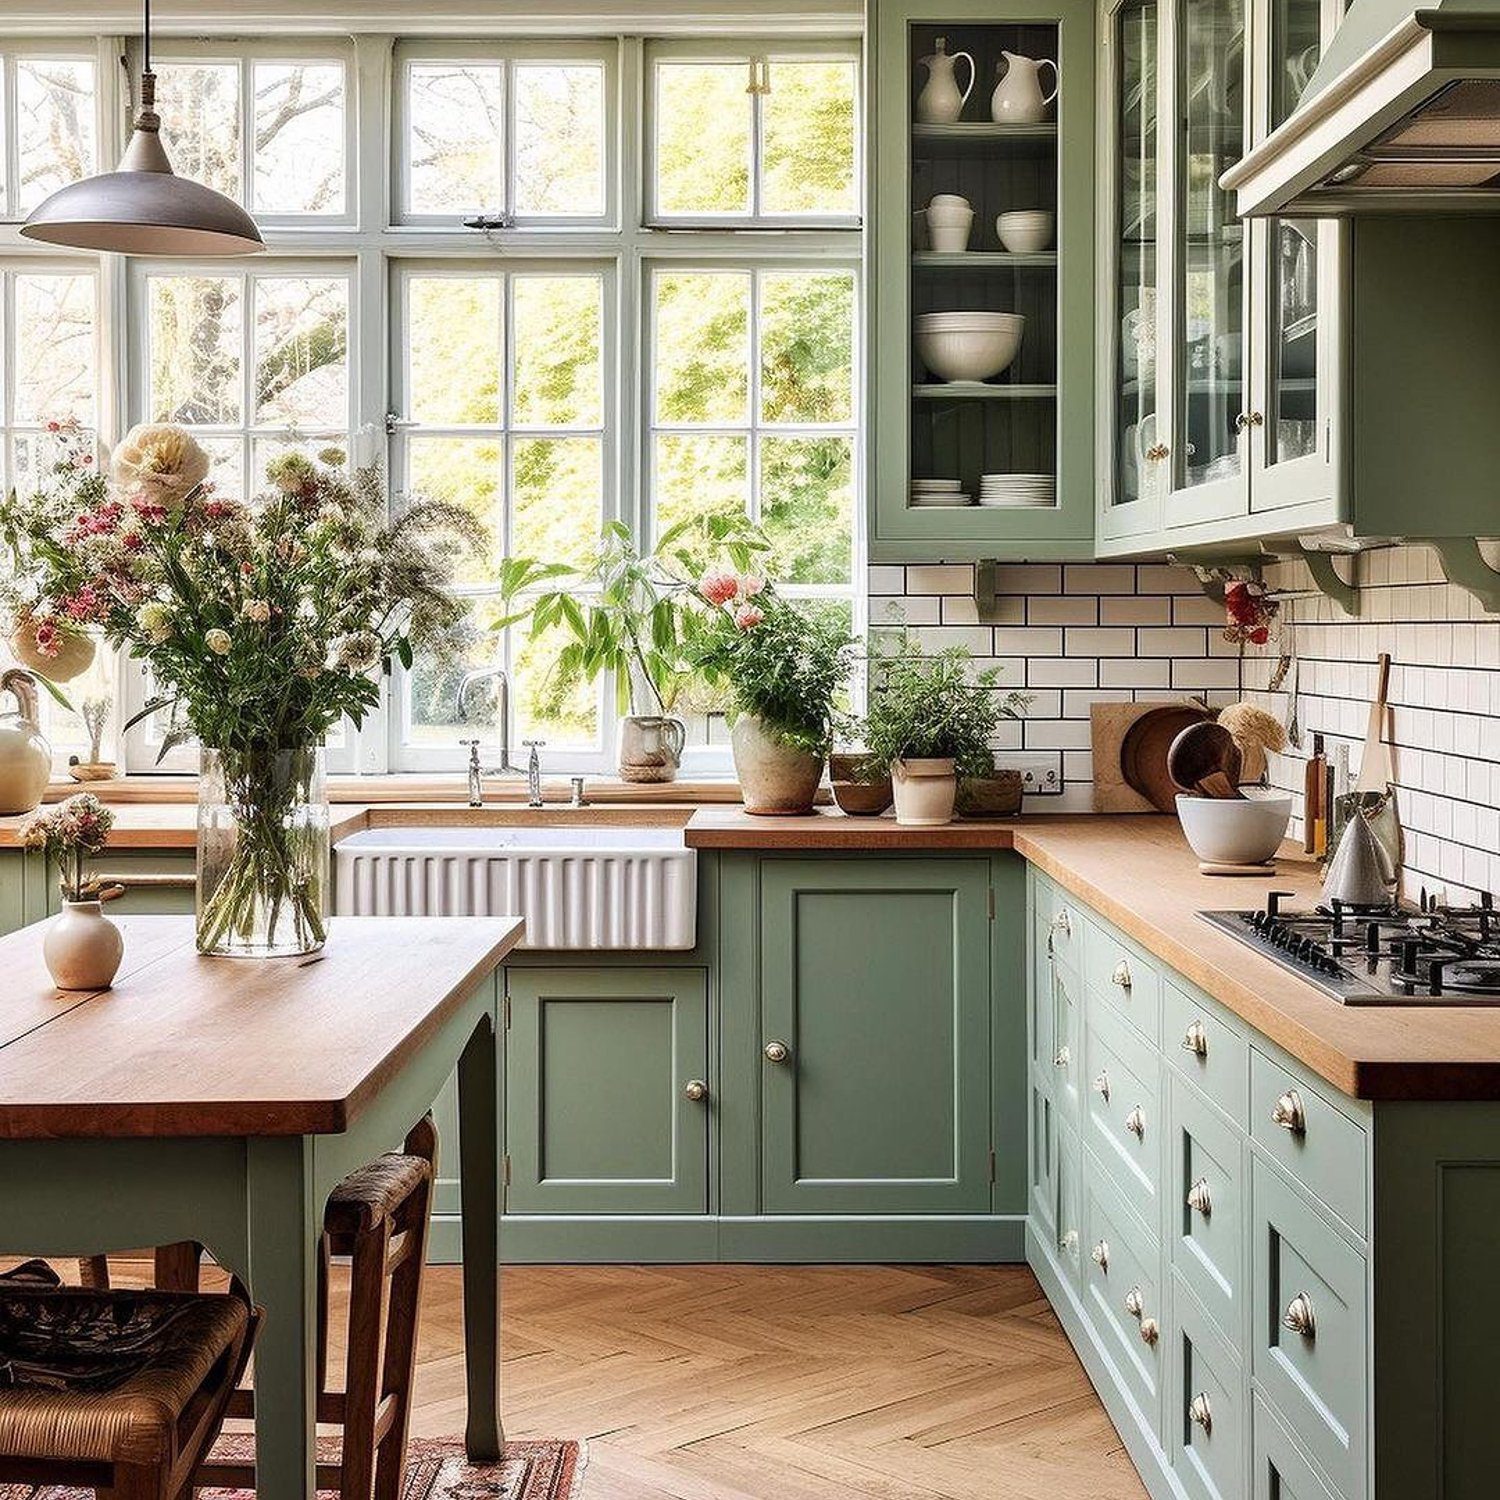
(1139, 874)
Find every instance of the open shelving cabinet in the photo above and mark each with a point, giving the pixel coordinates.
(1036, 417)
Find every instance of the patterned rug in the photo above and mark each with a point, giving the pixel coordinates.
(436, 1469)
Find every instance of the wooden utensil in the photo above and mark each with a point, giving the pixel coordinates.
(1205, 759)
(1375, 770)
(1142, 756)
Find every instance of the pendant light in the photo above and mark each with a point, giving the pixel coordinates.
(143, 207)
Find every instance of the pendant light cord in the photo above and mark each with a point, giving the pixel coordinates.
(146, 37)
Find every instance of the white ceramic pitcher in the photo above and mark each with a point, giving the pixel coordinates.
(1018, 98)
(941, 102)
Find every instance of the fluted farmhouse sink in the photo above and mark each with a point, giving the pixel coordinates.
(577, 887)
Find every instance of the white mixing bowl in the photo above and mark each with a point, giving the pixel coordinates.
(1244, 830)
(966, 348)
(1026, 231)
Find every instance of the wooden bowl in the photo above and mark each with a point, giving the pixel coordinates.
(863, 799)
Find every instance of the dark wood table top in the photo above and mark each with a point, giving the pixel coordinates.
(187, 1045)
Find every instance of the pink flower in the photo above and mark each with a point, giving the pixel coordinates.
(44, 633)
(748, 616)
(719, 585)
(132, 541)
(750, 585)
(82, 604)
(152, 512)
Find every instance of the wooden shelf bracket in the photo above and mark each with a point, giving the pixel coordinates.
(1465, 565)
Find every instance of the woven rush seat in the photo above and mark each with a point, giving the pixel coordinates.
(109, 1378)
(374, 1192)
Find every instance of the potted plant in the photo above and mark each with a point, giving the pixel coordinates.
(630, 616)
(931, 720)
(861, 781)
(82, 947)
(262, 627)
(783, 669)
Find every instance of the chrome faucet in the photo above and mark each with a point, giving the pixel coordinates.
(534, 773)
(504, 767)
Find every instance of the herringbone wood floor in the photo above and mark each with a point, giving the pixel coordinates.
(790, 1382)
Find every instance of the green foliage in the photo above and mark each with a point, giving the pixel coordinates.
(934, 707)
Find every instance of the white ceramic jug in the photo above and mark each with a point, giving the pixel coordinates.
(1018, 98)
(25, 757)
(941, 102)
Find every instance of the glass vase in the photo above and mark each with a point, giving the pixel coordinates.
(262, 852)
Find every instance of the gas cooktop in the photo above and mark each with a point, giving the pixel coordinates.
(1432, 954)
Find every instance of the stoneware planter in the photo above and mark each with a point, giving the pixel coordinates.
(776, 779)
(82, 947)
(25, 757)
(650, 748)
(924, 790)
(73, 657)
(997, 796)
(857, 788)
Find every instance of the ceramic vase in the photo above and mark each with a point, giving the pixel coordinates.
(925, 790)
(25, 756)
(775, 778)
(941, 101)
(1018, 98)
(72, 655)
(650, 748)
(82, 947)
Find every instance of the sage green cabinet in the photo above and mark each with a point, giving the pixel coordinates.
(1035, 417)
(875, 1036)
(153, 881)
(607, 1091)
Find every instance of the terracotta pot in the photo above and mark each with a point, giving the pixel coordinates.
(82, 947)
(858, 788)
(775, 778)
(650, 747)
(25, 757)
(924, 790)
(997, 796)
(75, 653)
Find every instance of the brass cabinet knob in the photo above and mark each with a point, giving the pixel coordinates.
(1201, 1412)
(696, 1090)
(1198, 1197)
(777, 1052)
(1100, 1254)
(1299, 1316)
(1135, 1304)
(1135, 1123)
(1121, 976)
(1287, 1112)
(1195, 1039)
(1150, 1331)
(1063, 922)
(1101, 1085)
(1257, 419)
(1157, 452)
(1062, 1057)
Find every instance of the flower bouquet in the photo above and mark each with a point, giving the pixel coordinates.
(261, 626)
(82, 947)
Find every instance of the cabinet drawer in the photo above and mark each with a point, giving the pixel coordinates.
(1042, 1158)
(1066, 1060)
(1123, 975)
(1060, 926)
(1319, 1145)
(1069, 1237)
(1122, 1292)
(1206, 1425)
(1207, 1206)
(1039, 1005)
(1314, 1373)
(1123, 1120)
(1200, 1045)
(1282, 1471)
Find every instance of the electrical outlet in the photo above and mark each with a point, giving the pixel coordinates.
(1041, 770)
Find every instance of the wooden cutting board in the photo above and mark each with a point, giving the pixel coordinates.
(1109, 724)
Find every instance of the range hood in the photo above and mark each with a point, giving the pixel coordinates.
(1401, 115)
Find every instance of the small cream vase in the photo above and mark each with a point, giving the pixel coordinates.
(82, 947)
(924, 790)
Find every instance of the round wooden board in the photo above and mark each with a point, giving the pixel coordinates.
(1143, 751)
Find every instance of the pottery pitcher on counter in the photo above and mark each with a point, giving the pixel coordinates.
(25, 757)
(941, 101)
(1018, 98)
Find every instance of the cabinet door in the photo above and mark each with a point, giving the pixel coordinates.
(875, 1003)
(153, 884)
(598, 1113)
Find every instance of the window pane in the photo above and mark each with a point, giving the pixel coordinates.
(559, 139)
(467, 472)
(299, 137)
(565, 718)
(194, 329)
(455, 137)
(807, 506)
(54, 348)
(226, 465)
(807, 347)
(326, 448)
(702, 347)
(697, 476)
(558, 338)
(808, 120)
(200, 122)
(432, 694)
(703, 134)
(558, 497)
(454, 350)
(301, 351)
(54, 114)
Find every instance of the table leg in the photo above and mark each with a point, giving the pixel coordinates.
(284, 1223)
(479, 1166)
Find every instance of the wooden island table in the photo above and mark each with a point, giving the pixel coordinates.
(219, 1100)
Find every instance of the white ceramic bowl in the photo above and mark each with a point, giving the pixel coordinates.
(1244, 830)
(948, 322)
(950, 238)
(1026, 231)
(969, 353)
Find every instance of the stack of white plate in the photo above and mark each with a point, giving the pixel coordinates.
(932, 492)
(1017, 489)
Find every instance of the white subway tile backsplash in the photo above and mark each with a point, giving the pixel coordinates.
(1135, 674)
(1062, 671)
(940, 578)
(1143, 609)
(1111, 641)
(1029, 640)
(1099, 578)
(1063, 609)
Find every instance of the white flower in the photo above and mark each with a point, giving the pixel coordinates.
(258, 610)
(159, 463)
(360, 650)
(218, 642)
(155, 621)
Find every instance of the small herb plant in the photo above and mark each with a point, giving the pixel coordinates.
(67, 835)
(934, 707)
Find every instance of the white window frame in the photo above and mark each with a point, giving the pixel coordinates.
(67, 49)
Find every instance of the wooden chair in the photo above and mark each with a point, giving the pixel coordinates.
(121, 1392)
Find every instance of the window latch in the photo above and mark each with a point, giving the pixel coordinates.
(395, 422)
(490, 221)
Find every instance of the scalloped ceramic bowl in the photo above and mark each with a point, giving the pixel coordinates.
(1245, 830)
(978, 346)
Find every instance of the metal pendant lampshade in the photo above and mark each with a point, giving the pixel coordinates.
(143, 207)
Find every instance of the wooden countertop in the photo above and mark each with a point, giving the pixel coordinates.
(1139, 873)
(188, 1045)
